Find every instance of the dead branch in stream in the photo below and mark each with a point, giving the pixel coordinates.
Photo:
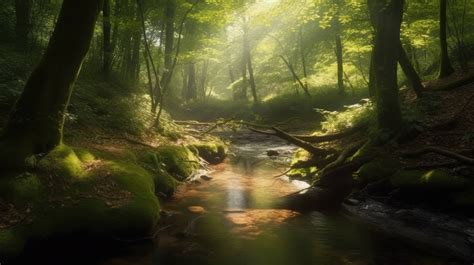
(331, 137)
(444, 152)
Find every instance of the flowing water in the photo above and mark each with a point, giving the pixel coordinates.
(231, 220)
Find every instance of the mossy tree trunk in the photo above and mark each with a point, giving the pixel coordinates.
(387, 17)
(36, 122)
(446, 68)
(23, 22)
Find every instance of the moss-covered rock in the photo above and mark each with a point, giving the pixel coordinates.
(62, 161)
(299, 156)
(437, 179)
(213, 151)
(70, 194)
(164, 182)
(178, 161)
(377, 169)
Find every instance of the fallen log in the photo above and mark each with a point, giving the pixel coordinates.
(315, 151)
(330, 137)
(444, 152)
(455, 84)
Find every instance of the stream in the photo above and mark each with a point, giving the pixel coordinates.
(230, 220)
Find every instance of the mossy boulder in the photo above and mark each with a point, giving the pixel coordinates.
(164, 183)
(213, 151)
(377, 169)
(177, 160)
(437, 179)
(62, 161)
(72, 193)
(299, 156)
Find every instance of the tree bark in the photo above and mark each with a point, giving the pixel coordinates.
(191, 89)
(203, 81)
(340, 65)
(410, 72)
(170, 12)
(372, 88)
(303, 63)
(107, 48)
(36, 122)
(387, 17)
(23, 22)
(446, 68)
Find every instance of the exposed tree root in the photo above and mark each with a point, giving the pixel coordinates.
(346, 153)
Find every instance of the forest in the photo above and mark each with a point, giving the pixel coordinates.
(237, 132)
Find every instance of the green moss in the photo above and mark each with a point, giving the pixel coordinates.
(213, 151)
(302, 173)
(63, 161)
(377, 169)
(437, 179)
(164, 182)
(11, 243)
(178, 161)
(84, 155)
(299, 173)
(300, 155)
(114, 199)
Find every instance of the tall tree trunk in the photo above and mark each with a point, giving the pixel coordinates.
(191, 91)
(240, 93)
(231, 74)
(107, 48)
(154, 90)
(387, 18)
(205, 67)
(23, 22)
(340, 65)
(115, 28)
(410, 72)
(446, 68)
(303, 62)
(372, 88)
(184, 77)
(135, 62)
(36, 122)
(170, 11)
(248, 62)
